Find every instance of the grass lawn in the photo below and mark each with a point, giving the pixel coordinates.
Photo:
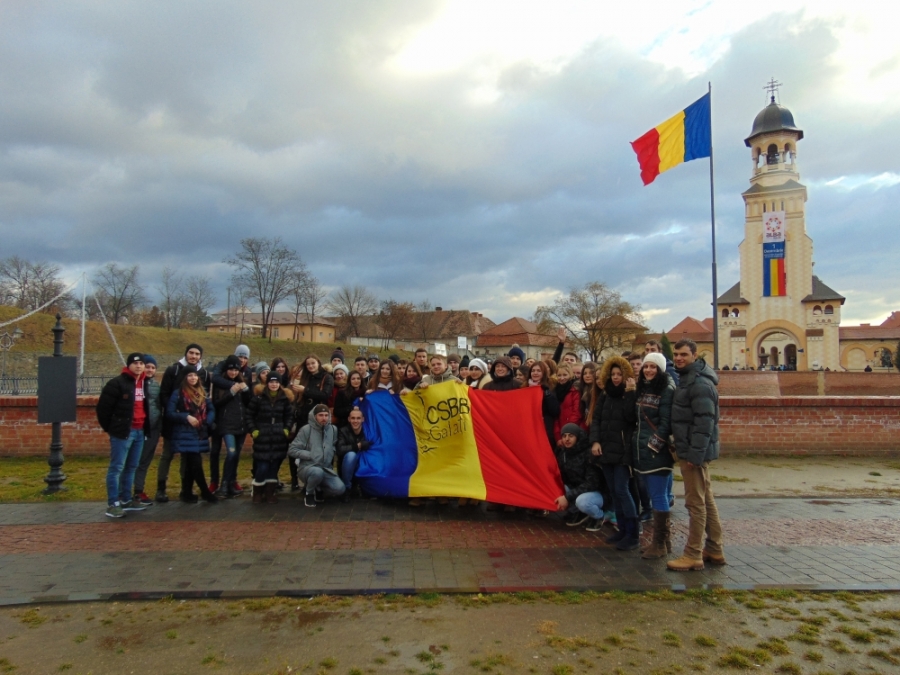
(22, 479)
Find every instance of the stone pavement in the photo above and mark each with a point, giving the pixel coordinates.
(70, 551)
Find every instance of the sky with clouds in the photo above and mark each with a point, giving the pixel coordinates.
(474, 153)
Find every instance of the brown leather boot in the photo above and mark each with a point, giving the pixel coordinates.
(657, 548)
(685, 564)
(714, 559)
(271, 487)
(257, 492)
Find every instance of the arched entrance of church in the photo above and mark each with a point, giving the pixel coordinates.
(777, 348)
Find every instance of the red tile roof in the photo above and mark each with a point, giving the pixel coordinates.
(516, 330)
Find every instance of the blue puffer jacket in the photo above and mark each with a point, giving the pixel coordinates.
(184, 437)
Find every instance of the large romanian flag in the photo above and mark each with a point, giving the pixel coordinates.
(681, 138)
(453, 441)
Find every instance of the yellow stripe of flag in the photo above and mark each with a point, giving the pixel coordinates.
(671, 142)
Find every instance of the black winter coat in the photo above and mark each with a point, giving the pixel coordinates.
(349, 442)
(578, 472)
(611, 425)
(343, 405)
(695, 414)
(115, 407)
(318, 390)
(271, 417)
(652, 414)
(230, 408)
(550, 413)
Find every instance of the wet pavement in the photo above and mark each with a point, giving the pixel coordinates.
(70, 551)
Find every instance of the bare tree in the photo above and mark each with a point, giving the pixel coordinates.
(350, 304)
(199, 298)
(119, 291)
(264, 266)
(29, 285)
(394, 319)
(424, 321)
(594, 316)
(308, 295)
(171, 293)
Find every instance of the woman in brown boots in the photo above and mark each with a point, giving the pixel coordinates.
(269, 417)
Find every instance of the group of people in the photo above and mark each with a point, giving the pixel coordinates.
(616, 429)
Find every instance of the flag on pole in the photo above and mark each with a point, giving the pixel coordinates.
(452, 441)
(680, 138)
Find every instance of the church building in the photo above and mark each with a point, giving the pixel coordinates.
(781, 313)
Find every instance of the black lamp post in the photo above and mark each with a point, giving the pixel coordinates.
(55, 478)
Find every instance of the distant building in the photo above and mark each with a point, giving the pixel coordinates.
(282, 325)
(499, 340)
(424, 329)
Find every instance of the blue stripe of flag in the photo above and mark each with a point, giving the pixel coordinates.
(697, 129)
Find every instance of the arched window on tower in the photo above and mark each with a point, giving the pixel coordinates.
(772, 154)
(724, 313)
(788, 154)
(817, 310)
(829, 309)
(735, 313)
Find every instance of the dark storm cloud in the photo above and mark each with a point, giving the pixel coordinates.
(162, 134)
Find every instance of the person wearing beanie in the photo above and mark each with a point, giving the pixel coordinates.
(478, 374)
(655, 393)
(313, 451)
(453, 364)
(395, 359)
(270, 415)
(242, 351)
(582, 480)
(611, 422)
(122, 411)
(339, 374)
(260, 370)
(151, 437)
(516, 356)
(171, 382)
(337, 357)
(231, 396)
(502, 375)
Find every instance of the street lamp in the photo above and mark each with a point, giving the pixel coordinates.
(7, 340)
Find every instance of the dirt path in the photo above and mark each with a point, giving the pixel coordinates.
(781, 631)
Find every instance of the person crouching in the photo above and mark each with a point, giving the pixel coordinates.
(582, 480)
(313, 452)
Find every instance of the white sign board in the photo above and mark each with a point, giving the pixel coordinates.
(773, 227)
(462, 342)
(440, 348)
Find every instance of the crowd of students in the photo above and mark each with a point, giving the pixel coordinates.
(613, 428)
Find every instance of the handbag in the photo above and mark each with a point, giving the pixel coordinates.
(657, 443)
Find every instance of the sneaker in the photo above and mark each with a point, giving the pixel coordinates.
(594, 525)
(133, 506)
(142, 498)
(161, 497)
(309, 500)
(213, 487)
(189, 499)
(576, 519)
(646, 516)
(237, 489)
(115, 511)
(610, 517)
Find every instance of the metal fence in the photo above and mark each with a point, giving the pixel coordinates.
(27, 386)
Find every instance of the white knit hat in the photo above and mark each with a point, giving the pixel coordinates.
(656, 359)
(481, 365)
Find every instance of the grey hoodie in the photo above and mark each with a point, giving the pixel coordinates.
(314, 446)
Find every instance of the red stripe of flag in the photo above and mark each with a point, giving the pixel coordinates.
(647, 150)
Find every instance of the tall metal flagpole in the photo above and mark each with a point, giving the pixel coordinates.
(712, 214)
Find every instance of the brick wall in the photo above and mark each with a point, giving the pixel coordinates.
(762, 425)
(768, 383)
(810, 425)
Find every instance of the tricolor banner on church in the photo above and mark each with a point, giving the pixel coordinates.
(449, 440)
(774, 277)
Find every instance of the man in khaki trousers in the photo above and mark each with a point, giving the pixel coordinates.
(695, 427)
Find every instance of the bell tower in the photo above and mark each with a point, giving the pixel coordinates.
(769, 318)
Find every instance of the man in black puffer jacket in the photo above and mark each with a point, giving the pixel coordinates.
(695, 427)
(582, 480)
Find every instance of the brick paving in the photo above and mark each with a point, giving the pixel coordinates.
(71, 551)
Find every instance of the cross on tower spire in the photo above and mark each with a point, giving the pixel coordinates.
(772, 87)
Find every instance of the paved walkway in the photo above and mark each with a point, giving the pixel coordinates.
(71, 551)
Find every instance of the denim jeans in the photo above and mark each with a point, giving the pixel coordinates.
(124, 456)
(349, 465)
(233, 445)
(316, 478)
(658, 487)
(150, 443)
(618, 480)
(590, 503)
